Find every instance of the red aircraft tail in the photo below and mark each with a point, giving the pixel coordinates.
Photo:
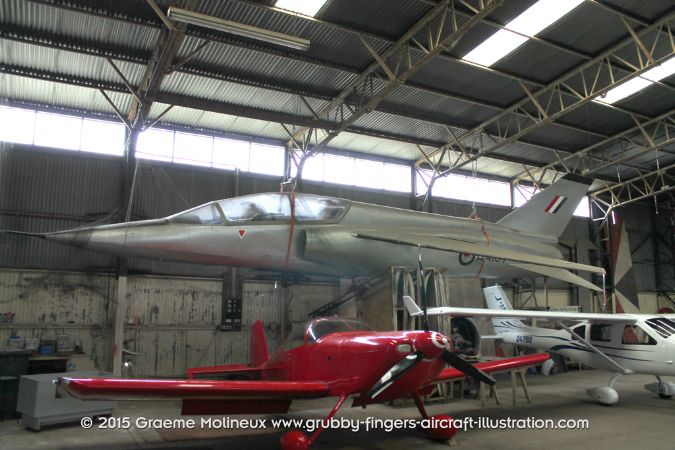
(259, 352)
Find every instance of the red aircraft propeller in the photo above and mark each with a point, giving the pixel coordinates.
(430, 346)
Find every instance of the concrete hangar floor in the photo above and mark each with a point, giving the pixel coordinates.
(639, 420)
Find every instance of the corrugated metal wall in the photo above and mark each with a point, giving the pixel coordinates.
(177, 316)
(53, 303)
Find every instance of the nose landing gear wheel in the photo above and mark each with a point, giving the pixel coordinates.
(442, 428)
(294, 440)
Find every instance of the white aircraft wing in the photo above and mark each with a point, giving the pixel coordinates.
(520, 314)
(456, 246)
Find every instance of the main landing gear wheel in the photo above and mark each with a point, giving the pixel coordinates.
(442, 428)
(294, 440)
(665, 396)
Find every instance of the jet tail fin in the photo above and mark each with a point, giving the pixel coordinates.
(496, 299)
(259, 353)
(550, 210)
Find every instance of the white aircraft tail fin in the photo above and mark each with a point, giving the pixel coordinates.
(550, 210)
(413, 309)
(496, 299)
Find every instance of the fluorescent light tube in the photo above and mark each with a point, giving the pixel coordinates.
(240, 29)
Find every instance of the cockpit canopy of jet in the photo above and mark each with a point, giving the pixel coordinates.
(274, 207)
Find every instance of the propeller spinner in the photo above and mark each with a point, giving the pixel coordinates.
(428, 346)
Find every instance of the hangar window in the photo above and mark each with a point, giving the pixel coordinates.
(460, 187)
(267, 159)
(193, 149)
(201, 215)
(338, 169)
(229, 154)
(310, 207)
(17, 125)
(601, 333)
(257, 208)
(635, 335)
(53, 130)
(103, 137)
(156, 145)
(665, 327)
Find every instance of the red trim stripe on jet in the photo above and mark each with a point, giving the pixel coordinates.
(556, 204)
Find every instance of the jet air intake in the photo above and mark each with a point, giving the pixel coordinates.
(327, 246)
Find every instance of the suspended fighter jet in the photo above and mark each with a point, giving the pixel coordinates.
(324, 235)
(329, 357)
(623, 344)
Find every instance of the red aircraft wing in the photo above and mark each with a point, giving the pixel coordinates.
(500, 365)
(199, 396)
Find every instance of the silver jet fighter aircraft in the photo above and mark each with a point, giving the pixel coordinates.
(324, 235)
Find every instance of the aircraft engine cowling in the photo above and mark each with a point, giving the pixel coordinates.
(465, 336)
(325, 246)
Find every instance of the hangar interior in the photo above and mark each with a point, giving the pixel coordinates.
(112, 111)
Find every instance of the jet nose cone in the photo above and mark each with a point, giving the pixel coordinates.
(76, 238)
(432, 344)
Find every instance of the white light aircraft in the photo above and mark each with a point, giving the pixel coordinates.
(624, 344)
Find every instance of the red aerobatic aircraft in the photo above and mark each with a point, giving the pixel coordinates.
(334, 356)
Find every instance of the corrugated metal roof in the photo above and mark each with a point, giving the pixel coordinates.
(588, 29)
(268, 77)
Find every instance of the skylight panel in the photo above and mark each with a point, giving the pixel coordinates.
(495, 48)
(541, 15)
(305, 7)
(637, 84)
(535, 19)
(626, 89)
(660, 72)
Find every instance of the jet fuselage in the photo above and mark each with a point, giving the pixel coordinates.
(255, 231)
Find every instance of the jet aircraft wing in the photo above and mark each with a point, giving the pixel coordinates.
(499, 365)
(558, 273)
(457, 246)
(537, 264)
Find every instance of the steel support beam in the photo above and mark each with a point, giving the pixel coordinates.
(400, 66)
(588, 83)
(644, 186)
(618, 149)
